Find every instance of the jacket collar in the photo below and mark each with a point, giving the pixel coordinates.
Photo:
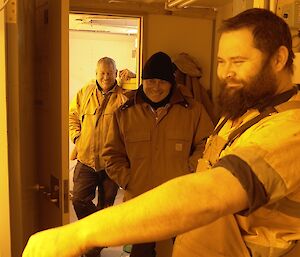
(176, 98)
(113, 89)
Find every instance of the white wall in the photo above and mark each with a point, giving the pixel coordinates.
(5, 242)
(86, 48)
(176, 34)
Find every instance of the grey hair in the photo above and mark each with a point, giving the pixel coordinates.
(107, 60)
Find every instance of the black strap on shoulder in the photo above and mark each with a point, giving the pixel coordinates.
(236, 133)
(265, 110)
(218, 128)
(279, 99)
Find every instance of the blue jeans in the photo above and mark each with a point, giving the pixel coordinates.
(86, 182)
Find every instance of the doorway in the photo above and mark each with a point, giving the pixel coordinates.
(91, 37)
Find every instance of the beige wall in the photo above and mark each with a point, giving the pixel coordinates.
(4, 190)
(171, 34)
(223, 13)
(86, 48)
(175, 34)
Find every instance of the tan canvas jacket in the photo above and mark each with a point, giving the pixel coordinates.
(145, 148)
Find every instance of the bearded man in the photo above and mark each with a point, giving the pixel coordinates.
(245, 198)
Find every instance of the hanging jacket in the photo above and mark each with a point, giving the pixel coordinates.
(192, 71)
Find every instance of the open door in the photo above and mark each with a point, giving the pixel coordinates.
(37, 117)
(52, 111)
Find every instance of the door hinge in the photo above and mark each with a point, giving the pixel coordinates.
(11, 11)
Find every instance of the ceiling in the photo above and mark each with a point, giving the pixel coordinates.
(106, 24)
(208, 3)
(175, 4)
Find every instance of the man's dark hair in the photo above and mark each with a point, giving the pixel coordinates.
(269, 31)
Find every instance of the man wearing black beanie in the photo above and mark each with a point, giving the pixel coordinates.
(157, 135)
(158, 80)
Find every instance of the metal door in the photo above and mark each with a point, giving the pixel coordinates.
(51, 100)
(37, 111)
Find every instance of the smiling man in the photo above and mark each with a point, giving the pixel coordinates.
(157, 135)
(89, 117)
(245, 199)
(245, 73)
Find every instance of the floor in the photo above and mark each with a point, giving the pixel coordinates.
(110, 251)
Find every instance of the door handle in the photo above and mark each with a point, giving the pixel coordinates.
(50, 193)
(47, 192)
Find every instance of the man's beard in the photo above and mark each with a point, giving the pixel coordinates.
(235, 102)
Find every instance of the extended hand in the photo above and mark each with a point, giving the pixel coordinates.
(52, 243)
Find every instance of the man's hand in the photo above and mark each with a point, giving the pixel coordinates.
(126, 74)
(53, 243)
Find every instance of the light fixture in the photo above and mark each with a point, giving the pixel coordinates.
(178, 3)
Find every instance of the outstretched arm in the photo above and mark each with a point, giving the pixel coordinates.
(200, 199)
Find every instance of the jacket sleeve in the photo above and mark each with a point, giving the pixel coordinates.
(204, 128)
(74, 117)
(115, 155)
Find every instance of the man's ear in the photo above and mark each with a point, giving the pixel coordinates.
(280, 58)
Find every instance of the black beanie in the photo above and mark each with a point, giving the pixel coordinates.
(159, 66)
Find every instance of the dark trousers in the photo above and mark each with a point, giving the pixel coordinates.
(86, 182)
(143, 250)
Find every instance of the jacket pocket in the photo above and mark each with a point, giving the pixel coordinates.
(137, 144)
(89, 110)
(88, 119)
(178, 150)
(178, 145)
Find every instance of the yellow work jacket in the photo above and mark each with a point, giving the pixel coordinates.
(89, 117)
